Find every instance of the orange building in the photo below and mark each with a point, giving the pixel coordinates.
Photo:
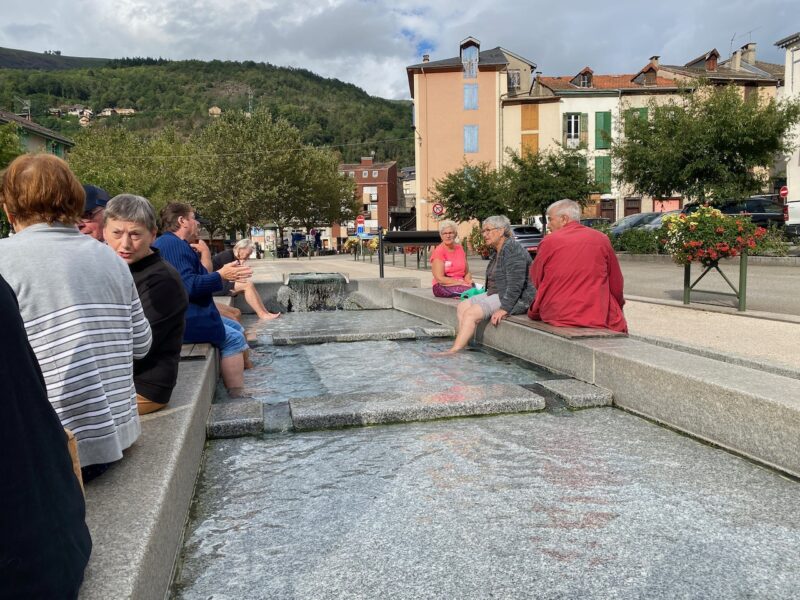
(458, 113)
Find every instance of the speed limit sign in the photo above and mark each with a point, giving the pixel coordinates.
(438, 209)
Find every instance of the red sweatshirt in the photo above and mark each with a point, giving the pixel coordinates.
(578, 280)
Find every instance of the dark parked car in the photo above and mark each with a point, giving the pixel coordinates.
(528, 236)
(659, 220)
(632, 222)
(595, 221)
(765, 211)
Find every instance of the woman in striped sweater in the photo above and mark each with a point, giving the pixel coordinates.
(80, 307)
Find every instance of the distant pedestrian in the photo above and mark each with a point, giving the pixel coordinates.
(240, 254)
(577, 275)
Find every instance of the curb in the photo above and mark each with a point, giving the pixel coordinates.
(728, 310)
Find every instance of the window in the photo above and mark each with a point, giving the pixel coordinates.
(602, 173)
(514, 80)
(374, 174)
(469, 58)
(470, 138)
(602, 130)
(373, 207)
(586, 80)
(372, 190)
(470, 96)
(351, 173)
(364, 174)
(573, 130)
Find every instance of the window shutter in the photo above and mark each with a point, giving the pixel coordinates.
(602, 173)
(564, 118)
(584, 128)
(643, 113)
(602, 130)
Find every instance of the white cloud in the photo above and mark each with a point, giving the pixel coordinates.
(370, 42)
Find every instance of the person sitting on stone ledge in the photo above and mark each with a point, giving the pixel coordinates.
(130, 230)
(45, 542)
(241, 251)
(451, 276)
(508, 290)
(203, 320)
(577, 275)
(80, 307)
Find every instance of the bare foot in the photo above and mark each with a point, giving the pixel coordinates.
(269, 316)
(450, 352)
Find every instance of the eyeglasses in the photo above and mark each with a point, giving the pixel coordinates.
(88, 216)
(486, 230)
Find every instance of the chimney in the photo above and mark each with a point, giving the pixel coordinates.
(426, 58)
(736, 60)
(749, 53)
(366, 161)
(654, 60)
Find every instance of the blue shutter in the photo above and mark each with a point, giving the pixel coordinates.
(470, 96)
(470, 139)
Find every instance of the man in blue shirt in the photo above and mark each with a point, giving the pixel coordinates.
(203, 321)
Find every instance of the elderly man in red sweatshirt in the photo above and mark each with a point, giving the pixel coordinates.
(576, 274)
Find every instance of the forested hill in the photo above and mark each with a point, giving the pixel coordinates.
(48, 61)
(179, 94)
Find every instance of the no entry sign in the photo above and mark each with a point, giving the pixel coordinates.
(360, 220)
(784, 192)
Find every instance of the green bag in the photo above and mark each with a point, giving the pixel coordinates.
(472, 292)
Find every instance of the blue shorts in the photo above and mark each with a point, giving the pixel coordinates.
(235, 342)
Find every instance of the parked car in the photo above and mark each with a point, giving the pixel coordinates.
(659, 220)
(528, 237)
(595, 221)
(764, 210)
(631, 222)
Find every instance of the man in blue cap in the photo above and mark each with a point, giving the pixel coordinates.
(91, 222)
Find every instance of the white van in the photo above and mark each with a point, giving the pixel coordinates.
(792, 227)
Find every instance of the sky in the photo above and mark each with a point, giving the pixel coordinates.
(370, 42)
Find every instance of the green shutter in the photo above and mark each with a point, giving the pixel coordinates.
(584, 129)
(602, 130)
(602, 173)
(643, 113)
(564, 118)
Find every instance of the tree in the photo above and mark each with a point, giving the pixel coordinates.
(10, 148)
(711, 143)
(475, 191)
(537, 179)
(10, 144)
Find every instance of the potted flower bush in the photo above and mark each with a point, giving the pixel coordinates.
(707, 236)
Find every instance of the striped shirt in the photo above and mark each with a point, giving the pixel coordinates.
(86, 325)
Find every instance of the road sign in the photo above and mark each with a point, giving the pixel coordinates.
(784, 192)
(360, 220)
(438, 209)
(360, 229)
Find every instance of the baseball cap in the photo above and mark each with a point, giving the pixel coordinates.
(95, 196)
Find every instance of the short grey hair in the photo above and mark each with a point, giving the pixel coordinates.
(129, 207)
(568, 208)
(499, 221)
(448, 224)
(243, 244)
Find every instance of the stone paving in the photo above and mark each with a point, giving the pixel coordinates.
(589, 504)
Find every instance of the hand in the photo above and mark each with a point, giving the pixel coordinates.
(498, 315)
(235, 272)
(201, 248)
(468, 278)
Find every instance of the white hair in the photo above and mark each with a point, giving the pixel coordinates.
(243, 244)
(447, 224)
(568, 208)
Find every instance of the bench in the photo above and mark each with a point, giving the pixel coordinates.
(571, 333)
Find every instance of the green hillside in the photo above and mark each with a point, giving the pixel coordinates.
(179, 94)
(23, 59)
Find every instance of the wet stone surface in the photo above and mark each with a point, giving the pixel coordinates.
(583, 504)
(281, 373)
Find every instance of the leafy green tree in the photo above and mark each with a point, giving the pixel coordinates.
(10, 148)
(537, 179)
(10, 144)
(711, 143)
(475, 191)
